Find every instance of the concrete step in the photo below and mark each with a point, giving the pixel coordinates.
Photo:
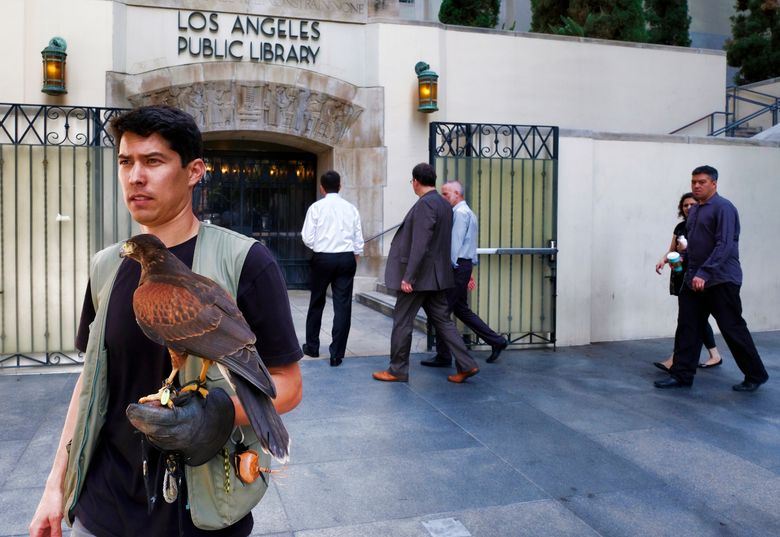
(746, 131)
(384, 303)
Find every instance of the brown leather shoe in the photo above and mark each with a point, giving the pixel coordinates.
(461, 377)
(385, 376)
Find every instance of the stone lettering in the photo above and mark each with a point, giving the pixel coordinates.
(268, 21)
(237, 26)
(280, 46)
(197, 21)
(268, 52)
(236, 44)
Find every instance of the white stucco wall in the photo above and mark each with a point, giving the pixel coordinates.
(576, 83)
(26, 28)
(617, 209)
(533, 79)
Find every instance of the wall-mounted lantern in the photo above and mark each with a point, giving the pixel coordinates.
(54, 67)
(427, 88)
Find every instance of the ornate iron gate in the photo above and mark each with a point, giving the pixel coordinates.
(58, 205)
(265, 196)
(509, 173)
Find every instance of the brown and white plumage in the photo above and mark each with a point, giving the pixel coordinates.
(192, 314)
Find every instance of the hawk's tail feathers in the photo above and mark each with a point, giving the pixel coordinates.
(264, 419)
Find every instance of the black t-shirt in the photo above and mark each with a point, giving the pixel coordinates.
(113, 500)
(676, 278)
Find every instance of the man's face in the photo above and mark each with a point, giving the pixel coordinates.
(450, 194)
(415, 186)
(156, 187)
(703, 187)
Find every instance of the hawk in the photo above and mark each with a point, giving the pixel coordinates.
(191, 314)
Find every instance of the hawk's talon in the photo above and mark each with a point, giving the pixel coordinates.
(165, 396)
(195, 387)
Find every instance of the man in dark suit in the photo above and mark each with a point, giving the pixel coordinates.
(419, 267)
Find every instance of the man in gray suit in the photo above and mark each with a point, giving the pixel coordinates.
(419, 267)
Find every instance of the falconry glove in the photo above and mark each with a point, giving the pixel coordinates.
(197, 427)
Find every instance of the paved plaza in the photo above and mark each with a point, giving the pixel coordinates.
(574, 442)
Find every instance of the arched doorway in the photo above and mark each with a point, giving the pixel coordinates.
(299, 110)
(261, 190)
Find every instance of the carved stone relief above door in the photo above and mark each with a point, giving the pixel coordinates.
(261, 106)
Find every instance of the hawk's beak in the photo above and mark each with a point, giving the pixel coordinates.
(126, 250)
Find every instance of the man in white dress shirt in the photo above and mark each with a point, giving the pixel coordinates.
(332, 229)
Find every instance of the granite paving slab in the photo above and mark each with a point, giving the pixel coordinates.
(572, 442)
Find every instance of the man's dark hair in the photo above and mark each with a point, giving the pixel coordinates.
(684, 197)
(424, 174)
(330, 181)
(175, 126)
(706, 170)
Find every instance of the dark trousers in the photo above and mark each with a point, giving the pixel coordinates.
(722, 302)
(338, 271)
(458, 303)
(707, 336)
(406, 307)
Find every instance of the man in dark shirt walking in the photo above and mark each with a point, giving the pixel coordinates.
(712, 284)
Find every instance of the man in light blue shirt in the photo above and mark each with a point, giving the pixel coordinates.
(463, 255)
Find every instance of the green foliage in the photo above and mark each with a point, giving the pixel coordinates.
(668, 22)
(546, 15)
(572, 27)
(480, 13)
(620, 20)
(755, 43)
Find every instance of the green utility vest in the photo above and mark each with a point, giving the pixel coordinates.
(216, 498)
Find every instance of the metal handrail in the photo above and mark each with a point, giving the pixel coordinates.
(751, 101)
(735, 89)
(710, 116)
(732, 96)
(391, 228)
(771, 108)
(517, 251)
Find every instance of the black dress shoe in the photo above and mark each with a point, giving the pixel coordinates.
(746, 386)
(309, 352)
(436, 361)
(335, 362)
(671, 382)
(497, 352)
(661, 366)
